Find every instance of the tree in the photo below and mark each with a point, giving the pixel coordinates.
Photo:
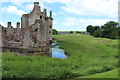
(97, 33)
(109, 30)
(71, 32)
(118, 30)
(90, 29)
(97, 27)
(78, 32)
(55, 32)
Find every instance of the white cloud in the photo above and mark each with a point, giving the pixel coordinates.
(81, 24)
(5, 24)
(60, 12)
(13, 10)
(18, 1)
(30, 6)
(2, 23)
(107, 8)
(60, 1)
(54, 14)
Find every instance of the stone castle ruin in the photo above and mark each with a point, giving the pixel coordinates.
(34, 34)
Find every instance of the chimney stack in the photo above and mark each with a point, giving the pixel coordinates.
(36, 3)
(9, 25)
(50, 14)
(18, 25)
(45, 12)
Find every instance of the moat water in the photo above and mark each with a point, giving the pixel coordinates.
(57, 52)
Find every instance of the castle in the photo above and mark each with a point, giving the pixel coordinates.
(34, 34)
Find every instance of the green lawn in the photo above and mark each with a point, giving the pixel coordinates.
(109, 74)
(86, 56)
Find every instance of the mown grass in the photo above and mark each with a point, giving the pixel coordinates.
(109, 74)
(86, 56)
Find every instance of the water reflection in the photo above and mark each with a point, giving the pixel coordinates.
(57, 52)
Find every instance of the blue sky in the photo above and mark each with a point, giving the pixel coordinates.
(68, 15)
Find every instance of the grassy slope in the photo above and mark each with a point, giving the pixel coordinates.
(87, 56)
(103, 50)
(109, 74)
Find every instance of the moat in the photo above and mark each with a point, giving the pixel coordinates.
(57, 52)
(54, 51)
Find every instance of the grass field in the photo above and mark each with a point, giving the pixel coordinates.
(109, 74)
(86, 56)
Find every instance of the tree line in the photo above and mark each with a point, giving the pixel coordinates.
(109, 30)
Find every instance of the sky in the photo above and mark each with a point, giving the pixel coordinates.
(68, 15)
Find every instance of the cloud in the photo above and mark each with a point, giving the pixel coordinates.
(2, 23)
(30, 6)
(59, 1)
(54, 14)
(5, 24)
(18, 1)
(13, 10)
(72, 23)
(21, 2)
(107, 8)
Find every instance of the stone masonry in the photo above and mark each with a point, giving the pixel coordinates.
(34, 34)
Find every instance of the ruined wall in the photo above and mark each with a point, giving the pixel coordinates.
(10, 32)
(50, 29)
(35, 14)
(24, 20)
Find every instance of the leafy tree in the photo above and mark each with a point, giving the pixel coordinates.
(97, 33)
(78, 32)
(90, 29)
(97, 27)
(109, 30)
(118, 30)
(71, 32)
(55, 32)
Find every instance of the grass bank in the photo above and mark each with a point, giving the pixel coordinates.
(109, 74)
(86, 56)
